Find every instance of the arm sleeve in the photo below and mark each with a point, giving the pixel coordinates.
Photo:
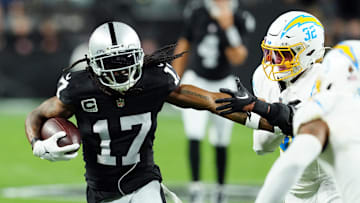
(288, 168)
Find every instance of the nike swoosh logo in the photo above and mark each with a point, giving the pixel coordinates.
(243, 97)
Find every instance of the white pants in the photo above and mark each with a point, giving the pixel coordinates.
(149, 193)
(346, 167)
(195, 122)
(326, 193)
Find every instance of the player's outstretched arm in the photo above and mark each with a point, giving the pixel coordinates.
(242, 100)
(48, 149)
(188, 96)
(290, 166)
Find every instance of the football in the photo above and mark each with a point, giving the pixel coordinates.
(54, 125)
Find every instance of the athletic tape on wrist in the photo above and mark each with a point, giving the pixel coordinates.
(252, 121)
(233, 36)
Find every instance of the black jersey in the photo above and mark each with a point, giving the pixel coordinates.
(118, 132)
(208, 43)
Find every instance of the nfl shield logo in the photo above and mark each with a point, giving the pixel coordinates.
(120, 102)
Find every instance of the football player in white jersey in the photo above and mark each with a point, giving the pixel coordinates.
(326, 129)
(293, 50)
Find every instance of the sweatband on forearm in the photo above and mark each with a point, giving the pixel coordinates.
(261, 108)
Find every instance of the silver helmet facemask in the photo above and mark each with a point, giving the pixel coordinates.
(116, 56)
(119, 70)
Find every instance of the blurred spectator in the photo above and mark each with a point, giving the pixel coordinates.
(149, 45)
(214, 36)
(21, 27)
(49, 39)
(347, 23)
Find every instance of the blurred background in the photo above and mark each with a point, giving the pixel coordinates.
(38, 38)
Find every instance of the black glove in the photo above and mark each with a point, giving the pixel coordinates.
(280, 115)
(277, 114)
(238, 100)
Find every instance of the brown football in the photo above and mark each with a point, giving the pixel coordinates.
(54, 125)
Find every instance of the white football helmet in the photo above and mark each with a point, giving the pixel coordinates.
(294, 42)
(341, 69)
(116, 56)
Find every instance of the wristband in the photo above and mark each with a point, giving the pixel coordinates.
(233, 36)
(252, 121)
(33, 140)
(261, 108)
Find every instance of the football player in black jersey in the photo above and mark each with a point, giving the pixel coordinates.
(213, 34)
(116, 100)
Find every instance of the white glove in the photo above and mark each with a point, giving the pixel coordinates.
(48, 149)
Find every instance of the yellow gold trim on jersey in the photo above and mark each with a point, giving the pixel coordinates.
(317, 85)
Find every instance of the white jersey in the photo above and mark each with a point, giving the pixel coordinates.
(342, 154)
(338, 104)
(301, 89)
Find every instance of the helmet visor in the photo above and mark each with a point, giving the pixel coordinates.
(281, 62)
